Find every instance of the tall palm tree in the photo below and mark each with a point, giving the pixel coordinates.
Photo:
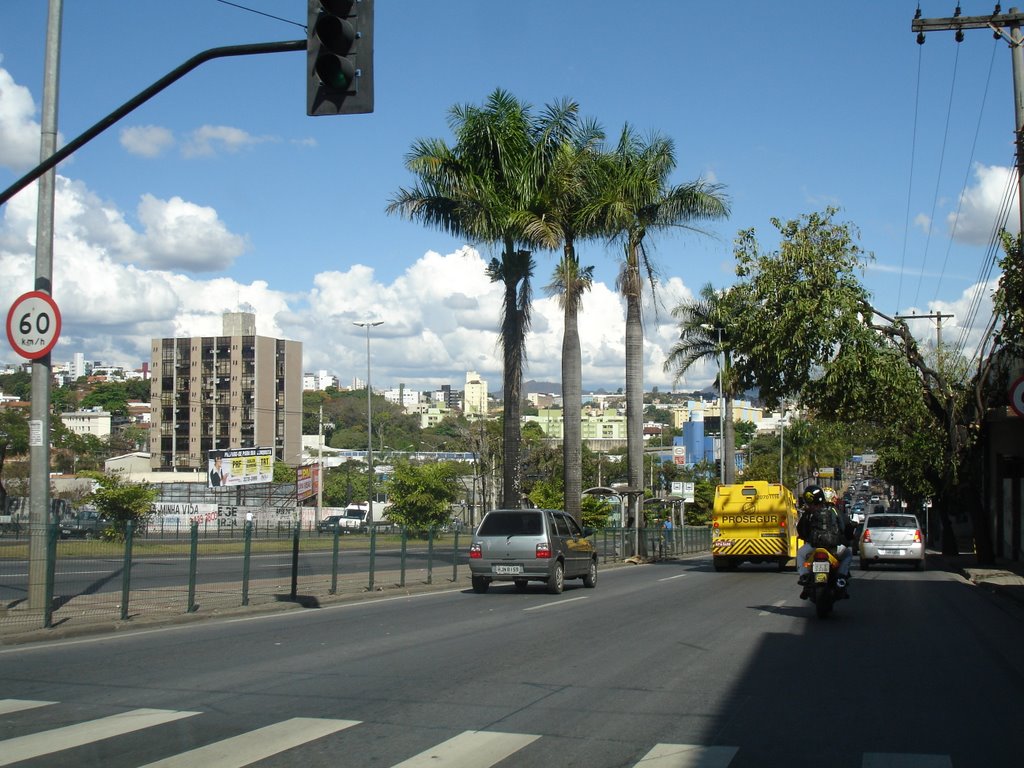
(557, 222)
(635, 198)
(482, 189)
(704, 334)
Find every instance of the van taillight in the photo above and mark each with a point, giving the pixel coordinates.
(543, 550)
(867, 536)
(475, 552)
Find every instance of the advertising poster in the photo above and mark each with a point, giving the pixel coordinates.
(240, 466)
(307, 479)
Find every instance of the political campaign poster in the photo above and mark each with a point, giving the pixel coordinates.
(240, 466)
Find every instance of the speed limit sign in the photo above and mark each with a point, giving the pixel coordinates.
(1017, 396)
(33, 324)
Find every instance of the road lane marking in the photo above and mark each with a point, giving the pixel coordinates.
(669, 578)
(688, 756)
(7, 706)
(252, 746)
(470, 749)
(550, 605)
(57, 739)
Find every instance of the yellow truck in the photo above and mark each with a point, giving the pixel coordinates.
(753, 522)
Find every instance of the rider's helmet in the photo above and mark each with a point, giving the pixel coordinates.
(830, 494)
(813, 495)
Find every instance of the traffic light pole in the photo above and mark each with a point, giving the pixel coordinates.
(130, 106)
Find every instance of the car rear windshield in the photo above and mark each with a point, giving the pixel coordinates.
(512, 524)
(892, 521)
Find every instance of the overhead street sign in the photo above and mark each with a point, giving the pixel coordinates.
(33, 324)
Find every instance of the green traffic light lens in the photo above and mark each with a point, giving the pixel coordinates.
(335, 72)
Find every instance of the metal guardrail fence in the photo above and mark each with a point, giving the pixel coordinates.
(163, 573)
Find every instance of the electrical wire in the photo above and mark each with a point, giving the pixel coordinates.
(910, 181)
(938, 177)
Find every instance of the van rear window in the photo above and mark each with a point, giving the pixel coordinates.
(512, 524)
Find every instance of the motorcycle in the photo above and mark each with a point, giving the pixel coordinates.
(826, 585)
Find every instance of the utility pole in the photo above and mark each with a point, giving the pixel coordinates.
(937, 317)
(998, 22)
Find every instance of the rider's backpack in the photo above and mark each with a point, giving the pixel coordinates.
(823, 528)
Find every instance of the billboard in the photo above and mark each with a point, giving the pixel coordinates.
(308, 481)
(240, 466)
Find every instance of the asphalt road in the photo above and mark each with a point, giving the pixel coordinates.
(663, 665)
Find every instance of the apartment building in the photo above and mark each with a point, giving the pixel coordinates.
(237, 390)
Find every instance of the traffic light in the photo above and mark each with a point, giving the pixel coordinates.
(339, 57)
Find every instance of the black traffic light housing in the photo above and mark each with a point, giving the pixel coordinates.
(339, 57)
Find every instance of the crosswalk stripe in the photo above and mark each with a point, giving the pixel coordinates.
(7, 706)
(900, 760)
(470, 749)
(252, 746)
(54, 740)
(687, 756)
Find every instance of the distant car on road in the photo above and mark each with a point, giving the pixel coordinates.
(891, 538)
(342, 523)
(88, 525)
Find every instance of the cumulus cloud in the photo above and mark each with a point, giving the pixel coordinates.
(19, 132)
(147, 140)
(983, 204)
(211, 139)
(182, 235)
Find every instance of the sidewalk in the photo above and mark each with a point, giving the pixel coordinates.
(1005, 577)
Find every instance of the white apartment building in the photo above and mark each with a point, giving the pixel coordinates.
(318, 381)
(93, 421)
(407, 398)
(474, 398)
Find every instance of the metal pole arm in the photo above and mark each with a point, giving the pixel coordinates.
(142, 98)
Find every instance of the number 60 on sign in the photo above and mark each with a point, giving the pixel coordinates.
(33, 324)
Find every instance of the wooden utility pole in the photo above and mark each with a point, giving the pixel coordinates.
(998, 22)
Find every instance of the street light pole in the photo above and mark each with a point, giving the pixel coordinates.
(369, 422)
(721, 401)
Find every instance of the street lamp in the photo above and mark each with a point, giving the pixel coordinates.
(721, 401)
(369, 421)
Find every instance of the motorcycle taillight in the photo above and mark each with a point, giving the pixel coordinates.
(821, 555)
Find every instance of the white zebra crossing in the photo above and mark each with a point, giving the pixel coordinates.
(469, 749)
(248, 748)
(58, 739)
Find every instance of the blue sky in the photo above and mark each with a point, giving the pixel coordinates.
(221, 193)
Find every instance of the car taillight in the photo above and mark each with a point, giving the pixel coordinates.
(867, 536)
(474, 551)
(543, 550)
(917, 536)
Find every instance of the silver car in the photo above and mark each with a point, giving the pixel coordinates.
(891, 538)
(523, 545)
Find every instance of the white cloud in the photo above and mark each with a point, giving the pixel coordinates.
(183, 235)
(982, 204)
(147, 140)
(209, 139)
(19, 132)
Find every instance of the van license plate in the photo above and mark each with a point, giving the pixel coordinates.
(506, 569)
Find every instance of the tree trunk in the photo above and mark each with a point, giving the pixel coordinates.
(572, 406)
(635, 410)
(512, 387)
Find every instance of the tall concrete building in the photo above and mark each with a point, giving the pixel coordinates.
(474, 397)
(237, 390)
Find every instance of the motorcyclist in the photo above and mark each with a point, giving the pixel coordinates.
(814, 501)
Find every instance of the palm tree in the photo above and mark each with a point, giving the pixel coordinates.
(557, 223)
(482, 189)
(704, 335)
(634, 197)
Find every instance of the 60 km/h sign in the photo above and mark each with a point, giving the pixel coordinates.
(33, 324)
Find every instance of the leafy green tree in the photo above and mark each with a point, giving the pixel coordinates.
(421, 495)
(18, 383)
(345, 484)
(111, 396)
(122, 501)
(634, 198)
(283, 473)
